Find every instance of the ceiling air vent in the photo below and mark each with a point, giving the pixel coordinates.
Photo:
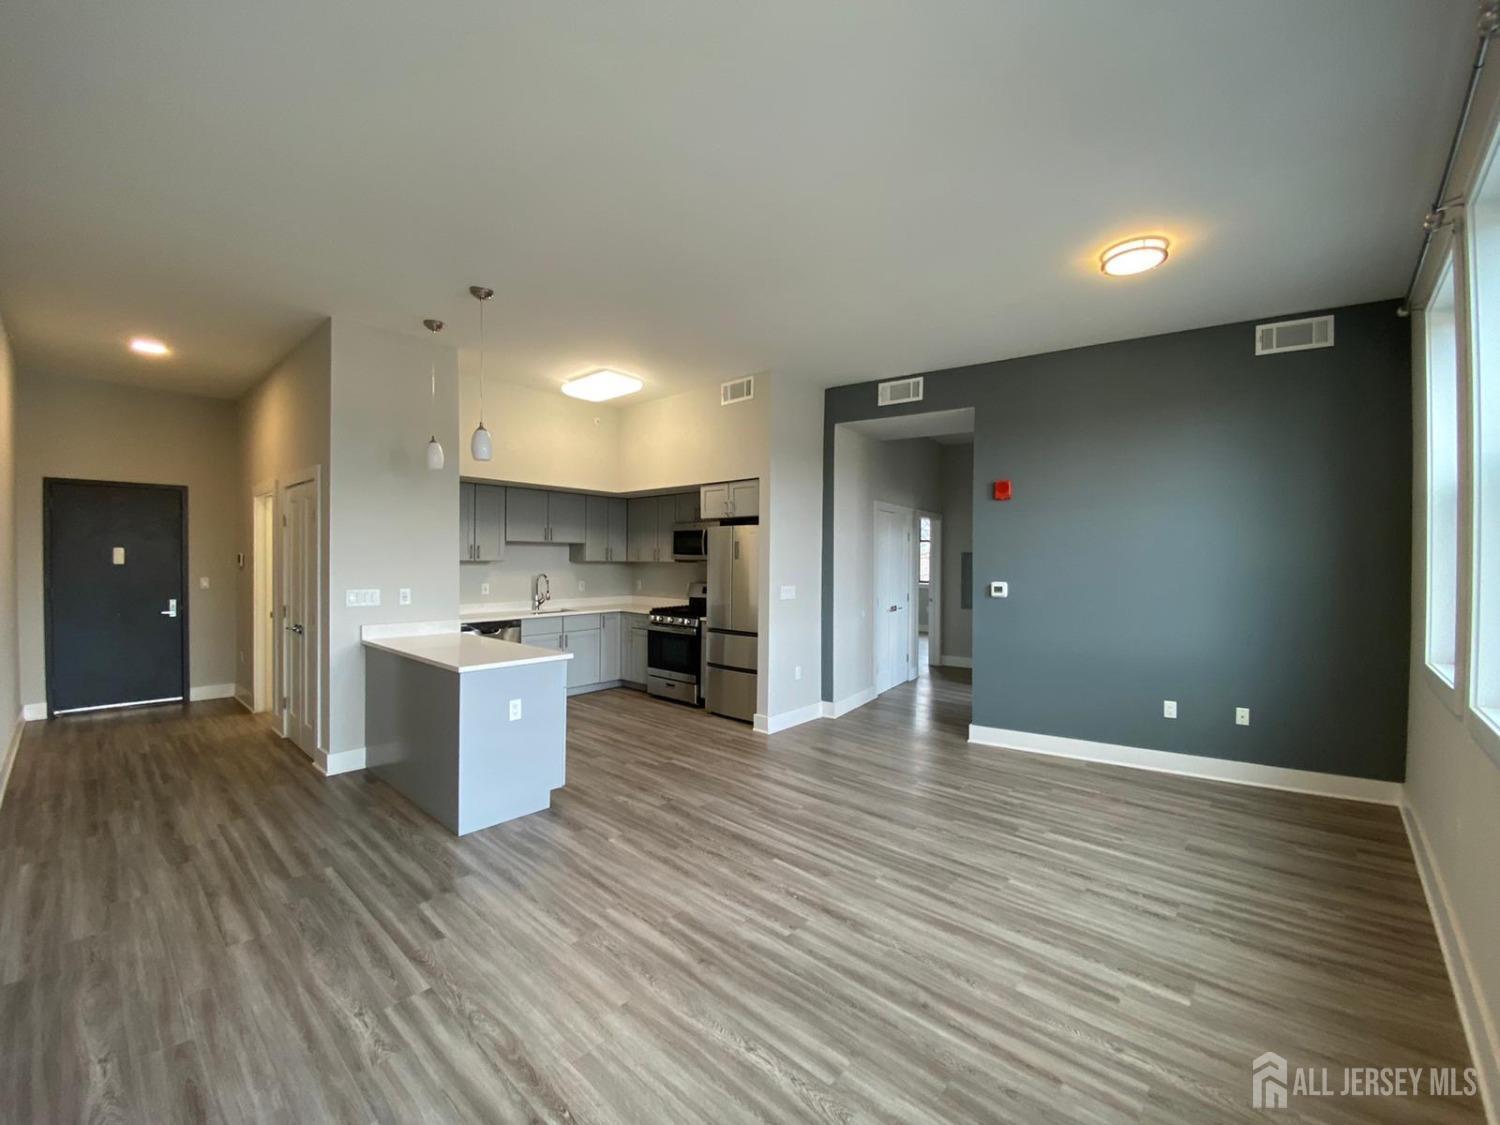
(899, 391)
(737, 390)
(1294, 335)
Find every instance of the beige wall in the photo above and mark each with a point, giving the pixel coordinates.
(957, 469)
(688, 438)
(792, 524)
(283, 428)
(10, 682)
(394, 521)
(540, 437)
(69, 427)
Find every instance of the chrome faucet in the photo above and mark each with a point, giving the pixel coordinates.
(541, 591)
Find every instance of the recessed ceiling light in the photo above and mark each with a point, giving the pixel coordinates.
(597, 386)
(1136, 255)
(145, 345)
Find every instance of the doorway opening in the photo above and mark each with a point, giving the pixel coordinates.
(903, 498)
(114, 559)
(263, 577)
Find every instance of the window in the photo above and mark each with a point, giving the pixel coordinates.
(1441, 330)
(1484, 403)
(924, 551)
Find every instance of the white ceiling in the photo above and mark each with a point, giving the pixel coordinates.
(693, 191)
(948, 427)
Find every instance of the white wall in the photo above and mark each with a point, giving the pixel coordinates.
(145, 437)
(10, 682)
(540, 437)
(905, 473)
(792, 523)
(510, 579)
(394, 522)
(283, 429)
(957, 472)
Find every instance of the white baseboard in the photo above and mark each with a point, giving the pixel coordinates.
(956, 661)
(770, 724)
(1192, 765)
(210, 691)
(1473, 1010)
(345, 761)
(34, 712)
(834, 708)
(12, 746)
(245, 698)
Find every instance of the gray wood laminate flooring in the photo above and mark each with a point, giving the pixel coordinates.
(863, 919)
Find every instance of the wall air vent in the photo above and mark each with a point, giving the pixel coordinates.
(1294, 335)
(899, 391)
(737, 390)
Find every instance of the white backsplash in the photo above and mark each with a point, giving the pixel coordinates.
(510, 579)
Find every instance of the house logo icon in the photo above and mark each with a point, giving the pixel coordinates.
(1268, 1082)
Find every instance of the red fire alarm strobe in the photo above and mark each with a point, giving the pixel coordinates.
(1002, 490)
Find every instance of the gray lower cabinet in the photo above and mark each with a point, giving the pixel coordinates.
(584, 644)
(582, 634)
(609, 648)
(481, 522)
(633, 641)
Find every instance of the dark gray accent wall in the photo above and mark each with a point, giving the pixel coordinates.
(1190, 522)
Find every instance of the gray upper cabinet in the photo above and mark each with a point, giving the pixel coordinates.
(732, 500)
(666, 517)
(688, 507)
(526, 516)
(481, 522)
(535, 516)
(566, 517)
(605, 531)
(744, 498)
(642, 529)
(713, 502)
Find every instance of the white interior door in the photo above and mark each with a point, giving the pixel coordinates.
(893, 608)
(264, 602)
(301, 614)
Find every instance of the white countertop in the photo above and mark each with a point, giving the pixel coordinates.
(465, 652)
(567, 607)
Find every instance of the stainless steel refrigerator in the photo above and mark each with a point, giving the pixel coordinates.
(732, 630)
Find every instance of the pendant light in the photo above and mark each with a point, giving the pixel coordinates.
(480, 444)
(434, 447)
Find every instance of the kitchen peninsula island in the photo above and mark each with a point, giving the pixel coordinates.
(471, 729)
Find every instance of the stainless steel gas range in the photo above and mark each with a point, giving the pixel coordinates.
(674, 649)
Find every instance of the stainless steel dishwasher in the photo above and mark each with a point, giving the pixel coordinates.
(500, 630)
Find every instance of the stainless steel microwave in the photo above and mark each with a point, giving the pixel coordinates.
(690, 544)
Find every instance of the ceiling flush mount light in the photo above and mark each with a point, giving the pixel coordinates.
(145, 345)
(597, 386)
(480, 444)
(1135, 255)
(434, 447)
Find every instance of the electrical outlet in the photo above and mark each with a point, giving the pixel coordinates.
(638, 585)
(582, 586)
(1242, 716)
(788, 593)
(203, 583)
(404, 597)
(484, 587)
(1169, 708)
(515, 709)
(797, 672)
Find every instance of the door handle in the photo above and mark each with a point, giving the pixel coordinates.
(171, 610)
(298, 629)
(893, 609)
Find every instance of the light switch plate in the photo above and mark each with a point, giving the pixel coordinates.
(1169, 708)
(1242, 716)
(788, 593)
(361, 599)
(404, 597)
(999, 589)
(484, 587)
(203, 583)
(117, 556)
(515, 709)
